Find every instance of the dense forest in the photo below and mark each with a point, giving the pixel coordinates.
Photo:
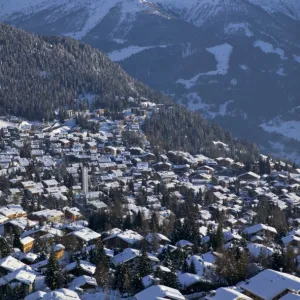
(177, 128)
(40, 75)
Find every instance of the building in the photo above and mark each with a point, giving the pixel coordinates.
(271, 285)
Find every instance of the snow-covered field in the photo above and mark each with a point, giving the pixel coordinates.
(222, 55)
(290, 129)
(269, 48)
(233, 28)
(125, 53)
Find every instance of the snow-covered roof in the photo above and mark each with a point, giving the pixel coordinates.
(183, 243)
(36, 296)
(269, 284)
(158, 236)
(129, 236)
(228, 294)
(156, 291)
(188, 279)
(24, 276)
(87, 234)
(61, 294)
(85, 265)
(12, 264)
(258, 227)
(82, 280)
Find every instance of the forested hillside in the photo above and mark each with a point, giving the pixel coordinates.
(39, 75)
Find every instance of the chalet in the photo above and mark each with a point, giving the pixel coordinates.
(260, 230)
(271, 285)
(21, 279)
(27, 243)
(86, 236)
(9, 264)
(50, 215)
(59, 251)
(125, 239)
(228, 294)
(84, 283)
(159, 292)
(248, 176)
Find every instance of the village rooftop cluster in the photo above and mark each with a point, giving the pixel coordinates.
(73, 193)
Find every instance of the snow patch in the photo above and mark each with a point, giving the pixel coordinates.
(125, 53)
(269, 48)
(234, 82)
(195, 102)
(280, 72)
(244, 67)
(222, 55)
(297, 58)
(233, 28)
(223, 108)
(290, 129)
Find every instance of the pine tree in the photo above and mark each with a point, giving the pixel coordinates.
(144, 265)
(192, 268)
(102, 275)
(217, 239)
(54, 276)
(121, 278)
(136, 282)
(4, 247)
(17, 241)
(98, 254)
(185, 267)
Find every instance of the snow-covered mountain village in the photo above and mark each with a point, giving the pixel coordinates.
(90, 211)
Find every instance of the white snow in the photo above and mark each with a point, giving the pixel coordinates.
(257, 249)
(222, 55)
(280, 72)
(244, 67)
(223, 108)
(233, 28)
(234, 82)
(5, 124)
(297, 58)
(188, 279)
(290, 129)
(269, 48)
(122, 54)
(196, 103)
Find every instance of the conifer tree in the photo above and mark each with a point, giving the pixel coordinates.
(98, 254)
(185, 267)
(192, 268)
(54, 276)
(17, 241)
(4, 248)
(121, 278)
(144, 265)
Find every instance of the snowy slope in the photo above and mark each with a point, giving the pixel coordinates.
(94, 10)
(194, 11)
